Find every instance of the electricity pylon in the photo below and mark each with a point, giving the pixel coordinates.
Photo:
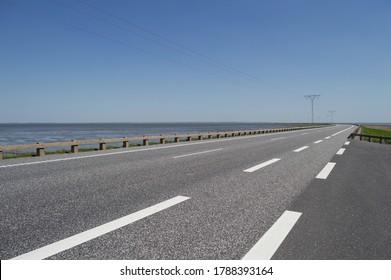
(312, 98)
(331, 113)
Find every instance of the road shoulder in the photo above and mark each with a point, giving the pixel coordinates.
(345, 216)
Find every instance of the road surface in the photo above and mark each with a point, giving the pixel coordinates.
(250, 197)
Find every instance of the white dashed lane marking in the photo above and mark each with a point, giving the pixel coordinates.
(90, 234)
(265, 248)
(262, 165)
(326, 171)
(301, 149)
(341, 151)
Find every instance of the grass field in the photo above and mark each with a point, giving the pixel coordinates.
(377, 131)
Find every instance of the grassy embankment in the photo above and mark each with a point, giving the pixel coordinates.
(11, 155)
(66, 151)
(62, 151)
(376, 131)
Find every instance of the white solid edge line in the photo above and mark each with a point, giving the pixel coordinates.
(328, 137)
(259, 166)
(301, 149)
(341, 131)
(326, 171)
(151, 149)
(265, 248)
(198, 153)
(85, 236)
(279, 138)
(317, 142)
(347, 143)
(341, 151)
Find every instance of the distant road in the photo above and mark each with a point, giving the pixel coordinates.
(234, 198)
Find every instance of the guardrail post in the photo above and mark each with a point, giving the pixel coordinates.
(233, 134)
(162, 140)
(102, 146)
(209, 136)
(176, 139)
(1, 154)
(200, 137)
(145, 142)
(40, 151)
(369, 139)
(125, 144)
(74, 148)
(217, 135)
(382, 140)
(188, 138)
(226, 135)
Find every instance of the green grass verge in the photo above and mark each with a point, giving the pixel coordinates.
(375, 132)
(62, 151)
(22, 155)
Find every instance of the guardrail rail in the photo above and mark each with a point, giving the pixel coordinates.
(74, 144)
(370, 138)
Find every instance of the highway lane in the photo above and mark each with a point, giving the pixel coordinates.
(228, 210)
(347, 215)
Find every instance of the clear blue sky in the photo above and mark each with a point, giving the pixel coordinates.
(61, 65)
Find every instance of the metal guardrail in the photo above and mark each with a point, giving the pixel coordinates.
(382, 139)
(74, 144)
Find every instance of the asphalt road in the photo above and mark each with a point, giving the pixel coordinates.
(212, 199)
(346, 216)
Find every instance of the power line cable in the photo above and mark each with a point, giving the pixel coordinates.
(207, 59)
(202, 59)
(130, 46)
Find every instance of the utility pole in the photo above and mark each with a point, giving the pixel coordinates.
(312, 98)
(331, 113)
